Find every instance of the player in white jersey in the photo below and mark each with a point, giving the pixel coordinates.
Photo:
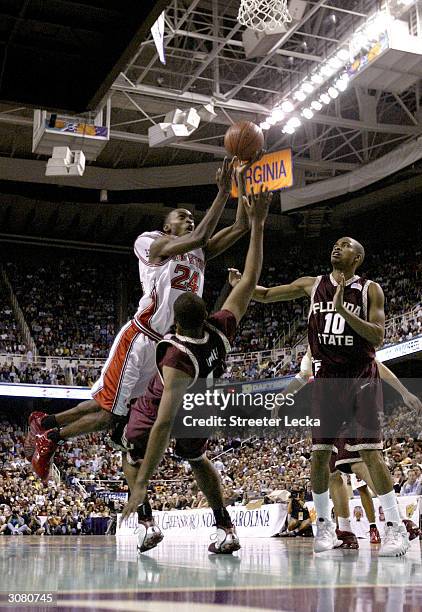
(170, 263)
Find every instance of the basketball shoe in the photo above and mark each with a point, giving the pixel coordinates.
(374, 535)
(149, 534)
(35, 428)
(413, 530)
(326, 538)
(395, 542)
(348, 539)
(226, 541)
(43, 455)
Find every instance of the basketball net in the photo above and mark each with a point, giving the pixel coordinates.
(263, 15)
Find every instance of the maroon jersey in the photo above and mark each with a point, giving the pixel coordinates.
(331, 339)
(200, 358)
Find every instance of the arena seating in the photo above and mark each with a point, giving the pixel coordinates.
(252, 469)
(72, 312)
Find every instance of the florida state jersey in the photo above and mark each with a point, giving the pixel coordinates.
(331, 339)
(163, 282)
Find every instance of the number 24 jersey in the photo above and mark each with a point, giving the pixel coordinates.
(163, 282)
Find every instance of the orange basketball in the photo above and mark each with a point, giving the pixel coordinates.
(243, 139)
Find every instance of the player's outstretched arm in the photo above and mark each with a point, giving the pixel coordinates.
(411, 401)
(176, 383)
(257, 208)
(301, 287)
(372, 329)
(226, 237)
(167, 246)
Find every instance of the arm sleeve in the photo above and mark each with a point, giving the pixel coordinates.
(177, 359)
(225, 321)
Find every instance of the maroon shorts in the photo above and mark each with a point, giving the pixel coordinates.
(342, 459)
(349, 405)
(141, 419)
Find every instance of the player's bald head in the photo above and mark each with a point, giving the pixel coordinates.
(348, 252)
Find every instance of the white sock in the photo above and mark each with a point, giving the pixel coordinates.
(389, 503)
(322, 505)
(344, 524)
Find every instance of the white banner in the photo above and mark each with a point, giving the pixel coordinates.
(262, 522)
(409, 508)
(157, 32)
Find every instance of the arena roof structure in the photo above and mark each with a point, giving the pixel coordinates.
(207, 63)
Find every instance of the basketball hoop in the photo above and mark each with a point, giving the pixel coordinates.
(263, 15)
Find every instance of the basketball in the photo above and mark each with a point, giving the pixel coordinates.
(243, 139)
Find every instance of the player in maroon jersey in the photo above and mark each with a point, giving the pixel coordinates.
(346, 323)
(192, 354)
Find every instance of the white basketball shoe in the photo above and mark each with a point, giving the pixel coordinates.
(226, 541)
(395, 541)
(326, 538)
(149, 535)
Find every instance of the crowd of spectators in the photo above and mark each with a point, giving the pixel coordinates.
(92, 483)
(11, 340)
(69, 309)
(36, 374)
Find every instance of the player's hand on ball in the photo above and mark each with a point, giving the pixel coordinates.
(136, 499)
(224, 175)
(234, 276)
(242, 168)
(339, 294)
(412, 401)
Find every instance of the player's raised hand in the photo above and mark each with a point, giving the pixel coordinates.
(412, 401)
(339, 294)
(234, 276)
(224, 175)
(257, 207)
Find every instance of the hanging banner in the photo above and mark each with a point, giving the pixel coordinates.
(157, 32)
(274, 171)
(262, 522)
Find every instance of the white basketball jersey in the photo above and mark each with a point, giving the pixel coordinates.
(163, 282)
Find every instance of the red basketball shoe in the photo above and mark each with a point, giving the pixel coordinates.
(349, 540)
(374, 535)
(412, 529)
(35, 428)
(43, 455)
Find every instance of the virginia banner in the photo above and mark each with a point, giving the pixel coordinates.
(273, 170)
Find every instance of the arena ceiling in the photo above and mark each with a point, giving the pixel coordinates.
(206, 62)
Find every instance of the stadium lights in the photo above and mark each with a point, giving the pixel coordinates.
(316, 105)
(307, 113)
(288, 129)
(332, 68)
(277, 114)
(294, 122)
(287, 106)
(317, 78)
(271, 120)
(307, 87)
(264, 125)
(343, 55)
(342, 83)
(300, 95)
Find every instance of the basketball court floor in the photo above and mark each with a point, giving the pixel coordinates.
(105, 573)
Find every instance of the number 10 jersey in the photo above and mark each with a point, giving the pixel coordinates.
(163, 282)
(331, 339)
